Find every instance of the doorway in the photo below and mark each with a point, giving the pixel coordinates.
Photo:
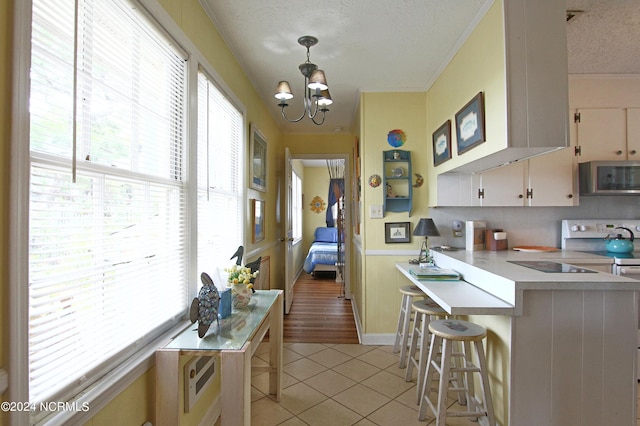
(314, 173)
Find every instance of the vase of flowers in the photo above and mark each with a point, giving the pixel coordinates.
(241, 288)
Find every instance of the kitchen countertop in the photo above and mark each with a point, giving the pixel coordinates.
(492, 272)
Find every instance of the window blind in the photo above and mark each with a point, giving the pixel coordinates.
(220, 141)
(107, 256)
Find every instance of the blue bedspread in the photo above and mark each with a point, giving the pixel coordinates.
(321, 254)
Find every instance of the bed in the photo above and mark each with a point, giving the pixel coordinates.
(323, 253)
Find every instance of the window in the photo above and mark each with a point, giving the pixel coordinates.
(220, 197)
(107, 227)
(296, 205)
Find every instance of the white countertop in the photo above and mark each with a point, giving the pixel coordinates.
(459, 297)
(491, 272)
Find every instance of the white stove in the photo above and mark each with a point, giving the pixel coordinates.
(589, 235)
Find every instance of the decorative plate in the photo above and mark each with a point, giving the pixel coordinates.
(375, 181)
(396, 138)
(397, 172)
(317, 204)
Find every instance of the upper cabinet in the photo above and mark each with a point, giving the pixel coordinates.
(546, 180)
(535, 114)
(607, 134)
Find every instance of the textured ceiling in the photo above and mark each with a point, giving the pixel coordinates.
(382, 45)
(605, 39)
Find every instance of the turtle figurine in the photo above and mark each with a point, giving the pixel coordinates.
(204, 308)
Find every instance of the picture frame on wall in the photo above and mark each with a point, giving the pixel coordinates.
(257, 220)
(442, 143)
(258, 156)
(397, 232)
(470, 125)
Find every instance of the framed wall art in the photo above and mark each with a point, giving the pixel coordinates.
(397, 232)
(470, 124)
(258, 155)
(442, 143)
(257, 220)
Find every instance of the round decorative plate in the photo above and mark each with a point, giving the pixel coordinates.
(397, 172)
(375, 181)
(396, 138)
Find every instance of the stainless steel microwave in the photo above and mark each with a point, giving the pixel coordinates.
(609, 178)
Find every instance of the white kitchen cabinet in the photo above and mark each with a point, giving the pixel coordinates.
(503, 186)
(607, 134)
(545, 180)
(552, 179)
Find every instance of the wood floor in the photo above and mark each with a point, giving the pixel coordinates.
(318, 313)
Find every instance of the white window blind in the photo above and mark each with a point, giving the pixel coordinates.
(220, 168)
(107, 256)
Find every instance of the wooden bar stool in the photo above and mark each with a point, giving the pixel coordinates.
(404, 320)
(444, 333)
(425, 311)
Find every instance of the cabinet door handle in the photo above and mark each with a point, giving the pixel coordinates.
(570, 196)
(618, 152)
(520, 196)
(632, 152)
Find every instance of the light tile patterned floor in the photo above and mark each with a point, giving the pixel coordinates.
(327, 384)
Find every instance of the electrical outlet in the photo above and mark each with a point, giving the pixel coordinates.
(375, 211)
(457, 227)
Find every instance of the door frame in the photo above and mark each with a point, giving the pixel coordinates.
(347, 210)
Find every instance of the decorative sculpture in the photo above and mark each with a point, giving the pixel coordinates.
(204, 308)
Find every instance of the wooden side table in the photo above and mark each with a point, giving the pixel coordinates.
(236, 340)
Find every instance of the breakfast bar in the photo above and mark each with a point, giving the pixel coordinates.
(561, 342)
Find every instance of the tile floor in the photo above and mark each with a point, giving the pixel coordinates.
(338, 384)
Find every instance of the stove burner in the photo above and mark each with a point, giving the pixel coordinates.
(551, 267)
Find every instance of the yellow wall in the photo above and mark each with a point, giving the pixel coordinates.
(316, 183)
(479, 66)
(381, 113)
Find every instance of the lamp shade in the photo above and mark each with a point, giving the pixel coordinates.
(325, 98)
(426, 228)
(283, 91)
(318, 80)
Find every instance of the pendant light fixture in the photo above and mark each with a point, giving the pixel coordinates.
(317, 97)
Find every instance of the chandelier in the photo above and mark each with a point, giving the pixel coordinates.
(317, 97)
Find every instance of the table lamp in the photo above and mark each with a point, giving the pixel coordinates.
(425, 228)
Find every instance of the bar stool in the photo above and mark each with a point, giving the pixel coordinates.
(425, 311)
(444, 333)
(404, 319)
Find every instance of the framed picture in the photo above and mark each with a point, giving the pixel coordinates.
(470, 124)
(442, 143)
(258, 155)
(397, 232)
(257, 221)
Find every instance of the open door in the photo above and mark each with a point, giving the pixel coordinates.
(288, 237)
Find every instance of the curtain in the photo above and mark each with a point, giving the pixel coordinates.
(336, 190)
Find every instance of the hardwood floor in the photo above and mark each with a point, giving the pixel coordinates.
(318, 313)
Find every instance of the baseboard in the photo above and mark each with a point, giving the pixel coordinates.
(378, 339)
(370, 339)
(356, 318)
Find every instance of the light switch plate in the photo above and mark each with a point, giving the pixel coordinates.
(375, 211)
